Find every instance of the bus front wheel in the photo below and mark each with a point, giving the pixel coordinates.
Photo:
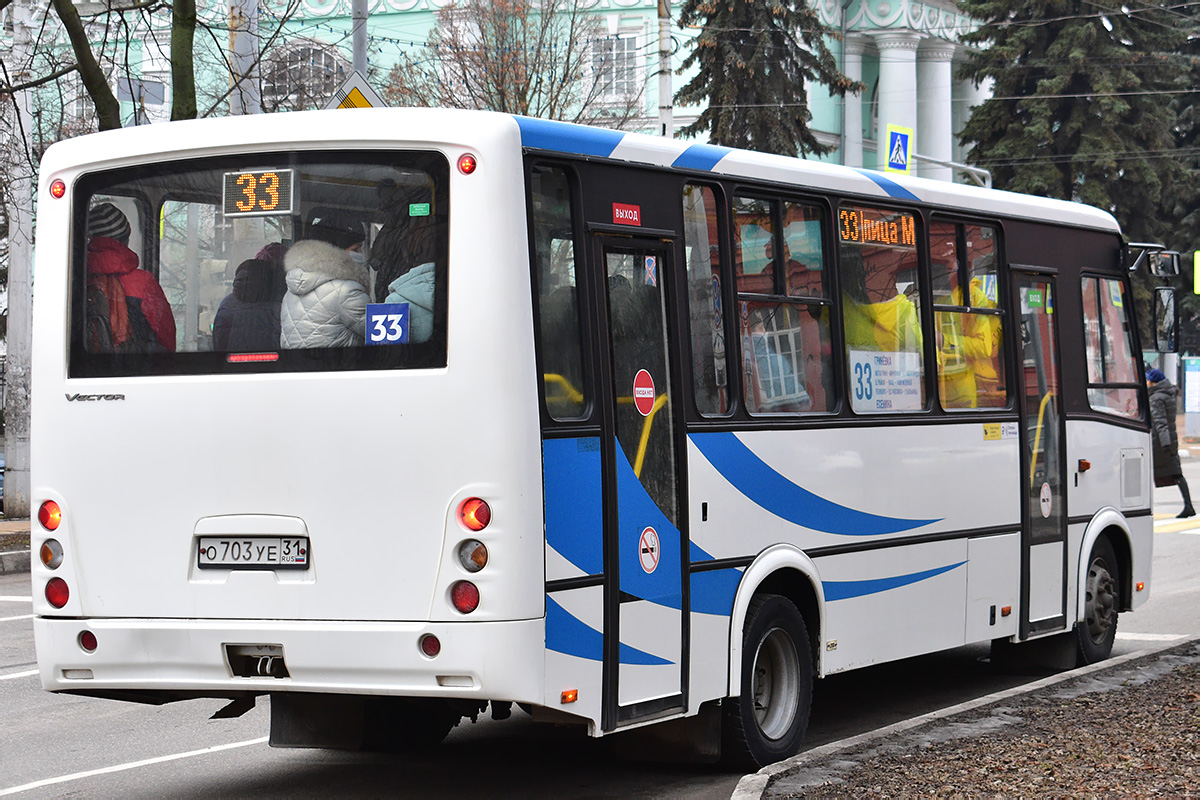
(767, 721)
(1098, 628)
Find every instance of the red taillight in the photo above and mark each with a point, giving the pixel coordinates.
(87, 640)
(467, 163)
(57, 592)
(465, 596)
(474, 514)
(50, 515)
(430, 645)
(57, 188)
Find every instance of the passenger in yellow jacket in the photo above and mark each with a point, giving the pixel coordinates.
(967, 344)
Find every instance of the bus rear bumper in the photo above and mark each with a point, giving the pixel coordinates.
(484, 660)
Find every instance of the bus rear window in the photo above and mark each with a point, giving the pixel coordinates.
(273, 262)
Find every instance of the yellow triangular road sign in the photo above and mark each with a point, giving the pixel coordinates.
(356, 93)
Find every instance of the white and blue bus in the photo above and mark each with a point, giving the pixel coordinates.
(393, 414)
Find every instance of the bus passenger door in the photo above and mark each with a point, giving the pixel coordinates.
(645, 630)
(1043, 535)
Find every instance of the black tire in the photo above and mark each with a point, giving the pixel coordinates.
(1102, 599)
(767, 721)
(400, 724)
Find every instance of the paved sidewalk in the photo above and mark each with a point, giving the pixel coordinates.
(14, 559)
(1127, 725)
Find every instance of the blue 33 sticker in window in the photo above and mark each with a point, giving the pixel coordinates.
(387, 323)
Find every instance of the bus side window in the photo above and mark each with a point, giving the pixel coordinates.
(969, 329)
(558, 295)
(783, 307)
(881, 309)
(1110, 356)
(705, 304)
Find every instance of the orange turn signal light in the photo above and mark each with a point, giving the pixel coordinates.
(1004, 612)
(570, 695)
(1140, 585)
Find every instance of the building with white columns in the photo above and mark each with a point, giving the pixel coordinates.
(904, 51)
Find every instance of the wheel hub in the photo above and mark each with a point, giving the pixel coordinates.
(1101, 608)
(775, 683)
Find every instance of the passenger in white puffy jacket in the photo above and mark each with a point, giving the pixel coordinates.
(326, 300)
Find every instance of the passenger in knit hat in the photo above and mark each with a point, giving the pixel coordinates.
(1155, 375)
(107, 220)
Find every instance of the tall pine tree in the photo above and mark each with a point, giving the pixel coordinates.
(1081, 101)
(755, 60)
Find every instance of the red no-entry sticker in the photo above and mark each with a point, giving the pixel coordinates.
(643, 392)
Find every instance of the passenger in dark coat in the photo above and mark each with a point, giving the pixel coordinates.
(248, 319)
(1167, 469)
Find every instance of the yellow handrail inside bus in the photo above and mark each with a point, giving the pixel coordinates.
(572, 394)
(647, 423)
(1037, 437)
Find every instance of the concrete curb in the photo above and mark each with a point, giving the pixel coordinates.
(754, 786)
(14, 562)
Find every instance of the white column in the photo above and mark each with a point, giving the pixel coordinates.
(935, 77)
(852, 118)
(966, 96)
(897, 87)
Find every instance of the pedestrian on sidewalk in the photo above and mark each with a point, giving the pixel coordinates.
(1167, 469)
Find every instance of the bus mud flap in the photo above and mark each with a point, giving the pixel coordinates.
(317, 720)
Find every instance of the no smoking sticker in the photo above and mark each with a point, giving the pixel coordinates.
(1047, 500)
(648, 550)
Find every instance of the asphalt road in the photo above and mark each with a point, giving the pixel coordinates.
(57, 746)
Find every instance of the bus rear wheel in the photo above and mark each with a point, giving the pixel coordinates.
(1098, 628)
(767, 721)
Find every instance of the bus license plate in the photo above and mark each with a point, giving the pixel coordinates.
(254, 552)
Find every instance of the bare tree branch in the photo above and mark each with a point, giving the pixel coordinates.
(507, 55)
(42, 81)
(183, 65)
(108, 110)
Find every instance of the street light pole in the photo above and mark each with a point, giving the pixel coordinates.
(358, 20)
(666, 104)
(246, 97)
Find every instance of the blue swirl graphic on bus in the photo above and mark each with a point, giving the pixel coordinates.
(844, 590)
(567, 634)
(888, 185)
(564, 137)
(759, 482)
(701, 156)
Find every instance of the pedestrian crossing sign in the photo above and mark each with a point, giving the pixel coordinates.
(899, 141)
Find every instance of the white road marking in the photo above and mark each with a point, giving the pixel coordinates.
(10, 619)
(131, 765)
(1151, 637)
(18, 675)
(15, 598)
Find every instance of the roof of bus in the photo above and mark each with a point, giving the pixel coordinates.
(582, 140)
(377, 127)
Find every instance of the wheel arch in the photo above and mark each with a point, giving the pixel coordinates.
(784, 570)
(1112, 525)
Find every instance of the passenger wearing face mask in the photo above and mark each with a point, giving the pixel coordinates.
(326, 300)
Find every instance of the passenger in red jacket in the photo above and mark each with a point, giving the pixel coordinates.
(113, 268)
